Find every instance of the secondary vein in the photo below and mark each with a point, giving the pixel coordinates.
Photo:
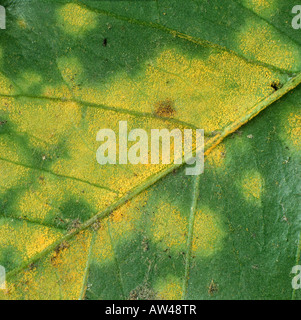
(196, 193)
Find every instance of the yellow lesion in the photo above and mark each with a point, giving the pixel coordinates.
(264, 7)
(208, 233)
(26, 238)
(169, 228)
(252, 186)
(169, 289)
(195, 87)
(75, 19)
(293, 129)
(263, 43)
(10, 150)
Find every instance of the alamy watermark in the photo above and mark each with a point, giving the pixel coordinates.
(161, 144)
(2, 278)
(2, 18)
(296, 282)
(296, 22)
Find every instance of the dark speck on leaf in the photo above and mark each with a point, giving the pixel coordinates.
(105, 42)
(276, 85)
(63, 246)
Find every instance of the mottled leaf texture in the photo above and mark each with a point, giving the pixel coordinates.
(73, 229)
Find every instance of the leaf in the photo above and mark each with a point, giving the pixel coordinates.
(72, 229)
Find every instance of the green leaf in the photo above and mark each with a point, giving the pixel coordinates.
(72, 229)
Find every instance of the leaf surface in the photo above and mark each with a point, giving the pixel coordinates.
(71, 228)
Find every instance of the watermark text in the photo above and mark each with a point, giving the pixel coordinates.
(296, 282)
(2, 278)
(296, 22)
(163, 147)
(2, 18)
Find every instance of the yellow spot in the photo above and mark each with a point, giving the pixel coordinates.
(261, 6)
(169, 289)
(208, 233)
(293, 129)
(252, 185)
(169, 228)
(75, 20)
(261, 42)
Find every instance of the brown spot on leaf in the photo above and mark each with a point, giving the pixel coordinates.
(32, 266)
(74, 225)
(165, 109)
(96, 225)
(63, 246)
(58, 251)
